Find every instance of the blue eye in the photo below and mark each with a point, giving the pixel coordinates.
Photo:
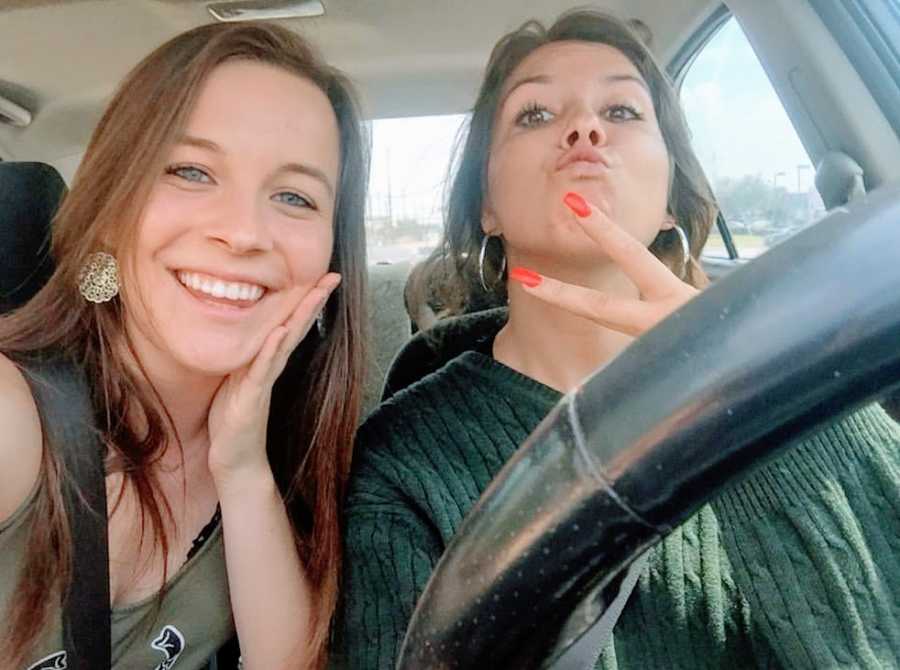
(293, 200)
(189, 173)
(532, 115)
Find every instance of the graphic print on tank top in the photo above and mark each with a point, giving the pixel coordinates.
(57, 661)
(170, 642)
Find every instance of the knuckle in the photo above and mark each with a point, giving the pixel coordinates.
(619, 244)
(630, 245)
(556, 290)
(598, 302)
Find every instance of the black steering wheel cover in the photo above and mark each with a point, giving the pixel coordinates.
(805, 333)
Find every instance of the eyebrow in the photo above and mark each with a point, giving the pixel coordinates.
(200, 143)
(309, 171)
(613, 78)
(289, 168)
(546, 79)
(534, 79)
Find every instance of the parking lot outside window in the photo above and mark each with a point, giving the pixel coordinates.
(404, 207)
(761, 174)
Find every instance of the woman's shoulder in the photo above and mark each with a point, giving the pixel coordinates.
(413, 419)
(431, 393)
(450, 432)
(426, 454)
(472, 385)
(471, 395)
(20, 438)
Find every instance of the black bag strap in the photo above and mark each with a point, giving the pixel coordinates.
(64, 400)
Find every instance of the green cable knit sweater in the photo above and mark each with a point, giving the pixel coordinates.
(798, 566)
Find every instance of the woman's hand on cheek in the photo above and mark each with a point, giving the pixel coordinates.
(661, 291)
(240, 409)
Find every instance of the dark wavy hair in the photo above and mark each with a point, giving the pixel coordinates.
(315, 402)
(691, 201)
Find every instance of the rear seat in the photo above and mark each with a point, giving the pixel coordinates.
(389, 326)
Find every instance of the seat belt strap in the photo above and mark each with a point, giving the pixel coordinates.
(583, 655)
(63, 396)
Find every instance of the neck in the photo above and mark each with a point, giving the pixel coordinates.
(556, 347)
(187, 396)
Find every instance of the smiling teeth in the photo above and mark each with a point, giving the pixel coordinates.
(218, 288)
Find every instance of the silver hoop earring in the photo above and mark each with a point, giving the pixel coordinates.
(481, 257)
(685, 248)
(98, 280)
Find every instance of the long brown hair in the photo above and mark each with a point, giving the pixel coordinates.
(691, 201)
(315, 402)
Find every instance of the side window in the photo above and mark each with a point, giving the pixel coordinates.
(404, 216)
(761, 174)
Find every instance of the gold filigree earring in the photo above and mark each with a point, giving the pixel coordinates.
(98, 280)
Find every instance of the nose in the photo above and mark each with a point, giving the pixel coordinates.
(240, 226)
(584, 127)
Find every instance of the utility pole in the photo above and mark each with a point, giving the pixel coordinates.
(390, 195)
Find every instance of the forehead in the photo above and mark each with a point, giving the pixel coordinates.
(247, 85)
(566, 58)
(245, 105)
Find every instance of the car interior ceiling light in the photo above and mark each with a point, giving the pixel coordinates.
(248, 10)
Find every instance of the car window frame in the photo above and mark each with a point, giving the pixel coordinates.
(678, 69)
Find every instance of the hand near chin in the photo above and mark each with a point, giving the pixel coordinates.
(661, 291)
(240, 409)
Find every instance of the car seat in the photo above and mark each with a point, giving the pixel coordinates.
(389, 326)
(30, 194)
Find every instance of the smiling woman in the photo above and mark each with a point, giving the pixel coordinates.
(244, 207)
(217, 212)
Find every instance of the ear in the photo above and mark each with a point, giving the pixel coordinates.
(107, 243)
(668, 223)
(489, 225)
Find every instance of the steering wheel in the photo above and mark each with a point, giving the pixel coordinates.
(803, 334)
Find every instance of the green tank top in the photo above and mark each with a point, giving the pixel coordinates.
(193, 621)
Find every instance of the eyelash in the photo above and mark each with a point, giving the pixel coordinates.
(534, 108)
(306, 202)
(530, 110)
(180, 170)
(635, 114)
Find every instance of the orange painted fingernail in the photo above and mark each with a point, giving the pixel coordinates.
(525, 276)
(577, 204)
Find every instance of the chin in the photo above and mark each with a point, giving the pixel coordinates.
(215, 359)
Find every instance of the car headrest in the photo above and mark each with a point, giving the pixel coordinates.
(430, 350)
(30, 194)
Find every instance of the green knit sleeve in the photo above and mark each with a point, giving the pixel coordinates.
(388, 559)
(814, 541)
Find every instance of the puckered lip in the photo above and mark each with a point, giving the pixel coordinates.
(226, 276)
(582, 155)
